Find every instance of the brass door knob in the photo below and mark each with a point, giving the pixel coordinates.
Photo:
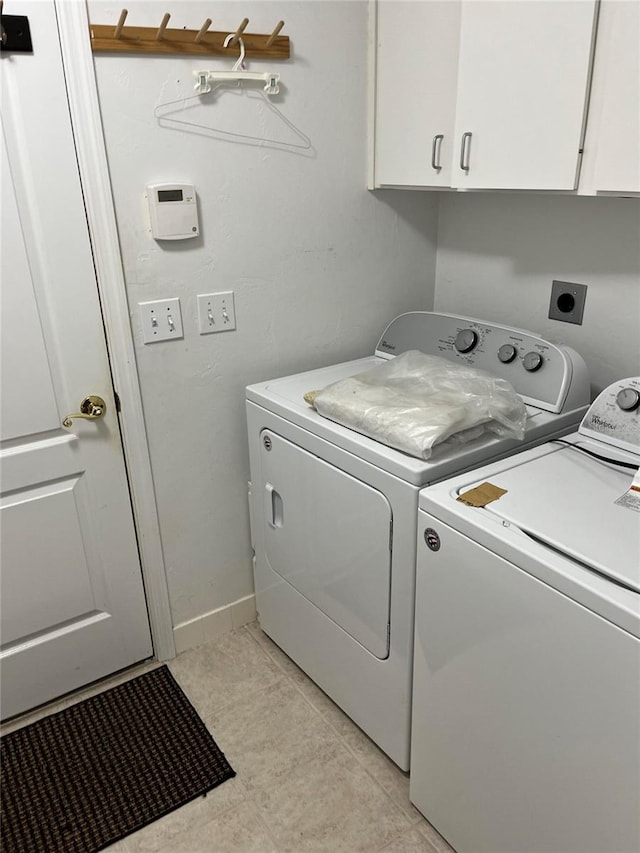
(91, 408)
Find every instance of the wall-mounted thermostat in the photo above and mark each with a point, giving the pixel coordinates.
(173, 211)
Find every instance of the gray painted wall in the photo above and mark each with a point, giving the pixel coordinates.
(499, 252)
(318, 264)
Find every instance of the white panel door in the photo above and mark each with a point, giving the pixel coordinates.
(416, 75)
(522, 93)
(73, 604)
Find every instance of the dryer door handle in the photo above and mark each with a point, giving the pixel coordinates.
(275, 515)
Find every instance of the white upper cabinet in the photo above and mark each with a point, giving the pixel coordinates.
(416, 77)
(504, 81)
(614, 129)
(523, 81)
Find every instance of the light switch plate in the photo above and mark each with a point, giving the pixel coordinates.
(160, 320)
(216, 312)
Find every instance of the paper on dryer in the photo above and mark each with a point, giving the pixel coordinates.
(416, 401)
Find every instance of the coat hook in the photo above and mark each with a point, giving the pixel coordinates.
(162, 27)
(203, 29)
(239, 31)
(273, 35)
(118, 30)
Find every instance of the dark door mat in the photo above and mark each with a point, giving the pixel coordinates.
(87, 776)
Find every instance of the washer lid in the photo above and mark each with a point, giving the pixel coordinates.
(570, 502)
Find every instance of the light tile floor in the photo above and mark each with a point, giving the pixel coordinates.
(308, 780)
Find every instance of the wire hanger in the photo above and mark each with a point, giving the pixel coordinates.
(238, 75)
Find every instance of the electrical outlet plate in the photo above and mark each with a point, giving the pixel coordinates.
(160, 320)
(216, 312)
(567, 301)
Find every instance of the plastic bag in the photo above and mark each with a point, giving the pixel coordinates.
(415, 401)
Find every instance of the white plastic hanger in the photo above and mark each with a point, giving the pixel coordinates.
(238, 75)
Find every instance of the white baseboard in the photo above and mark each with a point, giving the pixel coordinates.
(210, 625)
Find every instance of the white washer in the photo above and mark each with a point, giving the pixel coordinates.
(333, 513)
(526, 703)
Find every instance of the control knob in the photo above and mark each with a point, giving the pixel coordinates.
(532, 361)
(628, 399)
(507, 353)
(466, 340)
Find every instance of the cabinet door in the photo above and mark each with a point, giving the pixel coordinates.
(618, 62)
(416, 72)
(522, 91)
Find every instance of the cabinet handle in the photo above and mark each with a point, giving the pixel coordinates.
(436, 148)
(464, 151)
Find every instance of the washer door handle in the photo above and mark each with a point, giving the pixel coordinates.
(275, 516)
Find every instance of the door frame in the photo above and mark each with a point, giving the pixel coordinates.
(86, 121)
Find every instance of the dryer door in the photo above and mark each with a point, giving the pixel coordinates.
(328, 534)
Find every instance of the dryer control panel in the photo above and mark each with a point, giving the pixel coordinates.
(614, 416)
(546, 375)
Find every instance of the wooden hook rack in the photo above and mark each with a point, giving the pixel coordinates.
(106, 38)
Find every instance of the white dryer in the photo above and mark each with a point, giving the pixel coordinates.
(526, 703)
(333, 513)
